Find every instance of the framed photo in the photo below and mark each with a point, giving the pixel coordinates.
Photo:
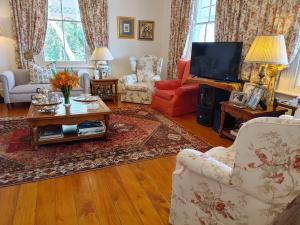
(256, 96)
(238, 98)
(248, 89)
(126, 27)
(146, 30)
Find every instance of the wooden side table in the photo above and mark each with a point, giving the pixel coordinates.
(106, 89)
(245, 114)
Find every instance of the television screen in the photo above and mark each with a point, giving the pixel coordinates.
(216, 60)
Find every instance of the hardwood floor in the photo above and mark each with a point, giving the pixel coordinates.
(132, 194)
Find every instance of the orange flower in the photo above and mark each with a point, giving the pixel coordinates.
(64, 79)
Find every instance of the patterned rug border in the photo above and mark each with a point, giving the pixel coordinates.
(157, 114)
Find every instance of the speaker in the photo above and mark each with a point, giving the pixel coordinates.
(209, 107)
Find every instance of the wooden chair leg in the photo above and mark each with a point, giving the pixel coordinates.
(9, 105)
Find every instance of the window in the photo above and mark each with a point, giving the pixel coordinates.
(204, 21)
(65, 40)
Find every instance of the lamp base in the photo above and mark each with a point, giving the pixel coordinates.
(104, 69)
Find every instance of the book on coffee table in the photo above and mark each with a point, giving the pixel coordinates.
(50, 132)
(91, 127)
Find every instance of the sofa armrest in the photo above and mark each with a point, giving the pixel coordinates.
(8, 81)
(187, 90)
(84, 82)
(167, 84)
(204, 165)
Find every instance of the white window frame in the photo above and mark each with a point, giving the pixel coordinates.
(79, 64)
(209, 19)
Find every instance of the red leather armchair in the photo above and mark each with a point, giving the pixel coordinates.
(173, 97)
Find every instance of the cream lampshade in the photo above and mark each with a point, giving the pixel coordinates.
(267, 50)
(101, 56)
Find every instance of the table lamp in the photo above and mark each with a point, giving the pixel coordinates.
(102, 56)
(270, 51)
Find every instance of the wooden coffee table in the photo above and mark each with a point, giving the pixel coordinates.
(77, 113)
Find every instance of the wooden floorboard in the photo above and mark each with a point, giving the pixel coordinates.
(133, 194)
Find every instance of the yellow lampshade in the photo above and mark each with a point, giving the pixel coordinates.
(268, 50)
(101, 54)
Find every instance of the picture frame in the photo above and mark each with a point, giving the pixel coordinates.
(256, 96)
(238, 98)
(126, 27)
(146, 30)
(249, 88)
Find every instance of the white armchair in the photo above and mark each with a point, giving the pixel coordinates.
(254, 182)
(138, 87)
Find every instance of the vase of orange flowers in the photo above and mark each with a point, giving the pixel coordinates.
(64, 81)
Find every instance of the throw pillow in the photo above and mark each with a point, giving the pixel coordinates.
(41, 75)
(144, 69)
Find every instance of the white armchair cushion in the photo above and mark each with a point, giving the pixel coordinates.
(137, 87)
(223, 155)
(129, 79)
(205, 165)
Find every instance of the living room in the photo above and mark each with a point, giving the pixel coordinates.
(174, 112)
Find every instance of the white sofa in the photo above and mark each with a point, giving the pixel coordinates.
(255, 182)
(17, 87)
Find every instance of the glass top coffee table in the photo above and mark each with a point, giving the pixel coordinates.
(77, 113)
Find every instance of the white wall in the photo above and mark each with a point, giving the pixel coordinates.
(7, 44)
(156, 10)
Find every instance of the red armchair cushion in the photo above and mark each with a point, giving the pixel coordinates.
(167, 84)
(165, 94)
(187, 90)
(181, 65)
(186, 73)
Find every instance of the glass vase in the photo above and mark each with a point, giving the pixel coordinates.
(66, 93)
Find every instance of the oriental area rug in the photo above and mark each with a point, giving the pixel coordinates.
(135, 134)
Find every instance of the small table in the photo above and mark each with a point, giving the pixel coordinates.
(77, 113)
(106, 89)
(245, 114)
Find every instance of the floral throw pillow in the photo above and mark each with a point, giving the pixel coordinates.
(41, 75)
(145, 69)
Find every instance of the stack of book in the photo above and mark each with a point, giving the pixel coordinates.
(50, 132)
(91, 127)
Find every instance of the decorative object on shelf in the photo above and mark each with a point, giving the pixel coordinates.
(248, 89)
(256, 96)
(126, 27)
(106, 89)
(65, 81)
(146, 30)
(270, 51)
(102, 57)
(238, 98)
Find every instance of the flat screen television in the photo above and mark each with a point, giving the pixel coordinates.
(216, 60)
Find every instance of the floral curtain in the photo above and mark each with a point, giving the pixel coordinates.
(245, 19)
(95, 22)
(30, 26)
(181, 19)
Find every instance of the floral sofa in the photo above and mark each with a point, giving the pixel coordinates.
(138, 87)
(17, 87)
(254, 182)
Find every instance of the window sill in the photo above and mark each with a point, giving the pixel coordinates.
(288, 93)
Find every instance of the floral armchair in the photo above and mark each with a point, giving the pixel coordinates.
(138, 87)
(256, 181)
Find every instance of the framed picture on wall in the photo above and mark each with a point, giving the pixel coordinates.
(126, 27)
(146, 30)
